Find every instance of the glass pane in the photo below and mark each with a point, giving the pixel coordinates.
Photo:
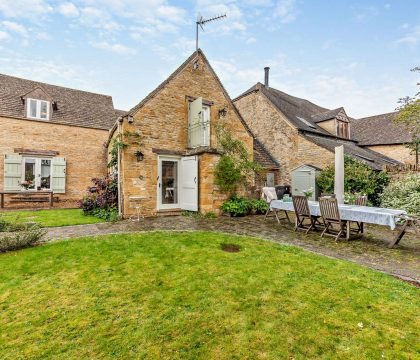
(32, 108)
(29, 180)
(169, 182)
(44, 109)
(45, 174)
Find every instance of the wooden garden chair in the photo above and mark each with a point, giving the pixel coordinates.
(302, 212)
(331, 218)
(269, 194)
(328, 195)
(360, 201)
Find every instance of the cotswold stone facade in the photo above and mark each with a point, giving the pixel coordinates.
(162, 122)
(399, 152)
(280, 137)
(51, 139)
(83, 149)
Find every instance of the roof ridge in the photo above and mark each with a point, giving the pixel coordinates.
(40, 83)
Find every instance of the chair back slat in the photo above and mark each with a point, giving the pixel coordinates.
(361, 200)
(329, 208)
(301, 205)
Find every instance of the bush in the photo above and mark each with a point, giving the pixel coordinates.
(237, 206)
(358, 179)
(101, 199)
(27, 235)
(199, 215)
(403, 194)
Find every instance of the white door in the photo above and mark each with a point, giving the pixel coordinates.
(189, 187)
(301, 181)
(168, 183)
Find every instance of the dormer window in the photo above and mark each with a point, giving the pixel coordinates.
(343, 129)
(38, 109)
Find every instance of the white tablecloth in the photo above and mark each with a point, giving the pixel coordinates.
(366, 214)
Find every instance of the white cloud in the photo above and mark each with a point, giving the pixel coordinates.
(68, 9)
(30, 9)
(411, 38)
(251, 40)
(115, 48)
(15, 27)
(285, 10)
(3, 35)
(172, 14)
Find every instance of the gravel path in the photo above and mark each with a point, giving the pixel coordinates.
(371, 250)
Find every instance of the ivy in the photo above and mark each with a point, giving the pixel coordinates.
(234, 167)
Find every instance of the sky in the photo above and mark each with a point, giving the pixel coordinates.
(355, 54)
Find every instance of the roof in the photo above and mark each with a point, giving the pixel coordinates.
(327, 115)
(307, 165)
(379, 130)
(305, 115)
(74, 107)
(188, 61)
(263, 157)
(371, 158)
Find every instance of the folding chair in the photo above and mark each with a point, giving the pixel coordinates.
(360, 201)
(301, 206)
(269, 194)
(331, 216)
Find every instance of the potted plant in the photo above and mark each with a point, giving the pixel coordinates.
(308, 193)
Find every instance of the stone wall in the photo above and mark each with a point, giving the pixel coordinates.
(83, 148)
(329, 125)
(398, 152)
(281, 138)
(163, 125)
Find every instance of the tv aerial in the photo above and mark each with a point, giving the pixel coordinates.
(201, 21)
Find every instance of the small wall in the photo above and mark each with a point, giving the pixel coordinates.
(397, 152)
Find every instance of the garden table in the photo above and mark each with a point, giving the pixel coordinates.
(356, 213)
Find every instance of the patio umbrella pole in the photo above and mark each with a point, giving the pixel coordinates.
(339, 174)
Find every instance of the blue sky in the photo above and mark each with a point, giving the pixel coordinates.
(355, 54)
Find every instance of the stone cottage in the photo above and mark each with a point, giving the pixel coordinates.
(381, 134)
(52, 138)
(170, 141)
(297, 132)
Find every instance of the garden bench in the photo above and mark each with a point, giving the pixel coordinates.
(29, 196)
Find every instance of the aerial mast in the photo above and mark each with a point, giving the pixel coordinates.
(200, 23)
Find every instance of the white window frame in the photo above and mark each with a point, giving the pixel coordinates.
(38, 109)
(37, 179)
(205, 123)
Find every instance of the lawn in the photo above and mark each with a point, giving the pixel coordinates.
(51, 218)
(178, 295)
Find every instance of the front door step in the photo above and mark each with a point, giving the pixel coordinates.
(169, 212)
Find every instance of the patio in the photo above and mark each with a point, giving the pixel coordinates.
(371, 250)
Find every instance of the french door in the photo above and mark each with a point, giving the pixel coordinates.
(177, 185)
(168, 183)
(36, 173)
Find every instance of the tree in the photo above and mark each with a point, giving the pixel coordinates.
(409, 117)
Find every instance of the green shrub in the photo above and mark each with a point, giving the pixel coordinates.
(259, 206)
(237, 206)
(106, 213)
(403, 194)
(27, 236)
(227, 174)
(358, 179)
(199, 215)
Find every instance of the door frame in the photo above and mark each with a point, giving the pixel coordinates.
(159, 205)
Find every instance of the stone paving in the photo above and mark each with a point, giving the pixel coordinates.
(370, 250)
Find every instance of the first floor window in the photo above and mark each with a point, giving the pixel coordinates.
(36, 174)
(38, 109)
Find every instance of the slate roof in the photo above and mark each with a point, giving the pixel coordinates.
(327, 115)
(74, 107)
(379, 130)
(305, 115)
(372, 158)
(263, 157)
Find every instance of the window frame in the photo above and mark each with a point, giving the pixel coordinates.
(38, 109)
(37, 171)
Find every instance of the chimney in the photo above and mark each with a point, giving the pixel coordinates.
(266, 75)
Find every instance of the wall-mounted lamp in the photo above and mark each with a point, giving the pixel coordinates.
(139, 156)
(130, 119)
(222, 112)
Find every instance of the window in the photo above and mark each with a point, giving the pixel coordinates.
(37, 174)
(38, 109)
(198, 124)
(342, 129)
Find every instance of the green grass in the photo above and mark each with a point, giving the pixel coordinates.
(178, 296)
(51, 218)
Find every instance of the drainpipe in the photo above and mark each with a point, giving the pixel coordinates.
(120, 120)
